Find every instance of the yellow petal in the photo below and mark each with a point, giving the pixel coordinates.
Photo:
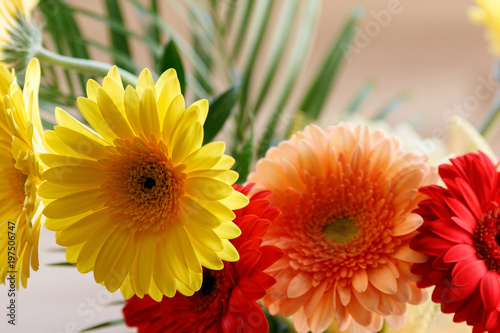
(49, 190)
(64, 119)
(73, 204)
(113, 116)
(117, 275)
(235, 201)
(174, 112)
(202, 107)
(144, 82)
(110, 253)
(92, 87)
(92, 114)
(207, 257)
(207, 189)
(229, 253)
(149, 114)
(115, 75)
(132, 108)
(82, 176)
(189, 253)
(87, 257)
(80, 143)
(81, 230)
(191, 140)
(163, 79)
(167, 93)
(163, 276)
(228, 230)
(225, 162)
(196, 213)
(206, 237)
(205, 158)
(176, 260)
(145, 262)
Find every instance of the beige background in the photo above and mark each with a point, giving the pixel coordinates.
(429, 50)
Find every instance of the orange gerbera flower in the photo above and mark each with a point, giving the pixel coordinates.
(347, 196)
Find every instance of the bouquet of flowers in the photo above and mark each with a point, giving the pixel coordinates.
(178, 179)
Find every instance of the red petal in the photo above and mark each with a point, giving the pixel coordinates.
(490, 290)
(252, 290)
(257, 207)
(263, 279)
(467, 225)
(491, 321)
(470, 273)
(434, 191)
(248, 259)
(262, 194)
(238, 301)
(475, 310)
(460, 210)
(470, 197)
(270, 254)
(431, 245)
(254, 320)
(459, 252)
(447, 230)
(271, 214)
(456, 294)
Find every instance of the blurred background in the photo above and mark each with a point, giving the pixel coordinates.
(425, 55)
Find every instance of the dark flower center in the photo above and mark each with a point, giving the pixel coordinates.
(209, 282)
(149, 183)
(487, 239)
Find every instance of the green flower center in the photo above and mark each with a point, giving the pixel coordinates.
(341, 230)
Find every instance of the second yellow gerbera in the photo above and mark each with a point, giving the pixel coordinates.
(20, 174)
(139, 200)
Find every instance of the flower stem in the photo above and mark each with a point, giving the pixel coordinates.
(84, 66)
(491, 123)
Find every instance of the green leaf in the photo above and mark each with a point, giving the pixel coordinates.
(229, 17)
(243, 28)
(220, 109)
(275, 325)
(244, 160)
(243, 115)
(171, 59)
(64, 264)
(360, 96)
(154, 32)
(119, 40)
(489, 127)
(104, 325)
(319, 90)
(184, 47)
(390, 106)
(58, 17)
(116, 26)
(283, 30)
(294, 65)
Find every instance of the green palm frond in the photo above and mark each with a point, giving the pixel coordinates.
(228, 44)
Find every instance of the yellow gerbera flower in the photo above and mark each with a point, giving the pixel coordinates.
(20, 173)
(487, 13)
(139, 200)
(19, 38)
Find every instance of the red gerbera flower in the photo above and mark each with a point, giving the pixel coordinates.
(461, 236)
(227, 299)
